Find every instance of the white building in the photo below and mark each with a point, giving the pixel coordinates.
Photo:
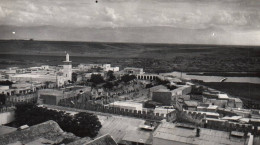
(127, 105)
(67, 69)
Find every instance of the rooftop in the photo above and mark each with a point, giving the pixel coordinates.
(102, 140)
(154, 88)
(48, 130)
(223, 96)
(162, 90)
(118, 126)
(6, 129)
(135, 68)
(144, 137)
(170, 132)
(33, 76)
(232, 118)
(163, 110)
(138, 106)
(191, 103)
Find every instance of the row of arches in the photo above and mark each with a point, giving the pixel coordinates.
(146, 77)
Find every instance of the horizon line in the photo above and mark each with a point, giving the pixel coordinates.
(199, 44)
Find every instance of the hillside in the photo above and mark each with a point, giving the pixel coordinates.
(150, 56)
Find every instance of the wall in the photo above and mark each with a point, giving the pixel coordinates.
(12, 100)
(150, 115)
(6, 117)
(195, 118)
(225, 125)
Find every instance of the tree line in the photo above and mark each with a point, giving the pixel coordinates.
(81, 124)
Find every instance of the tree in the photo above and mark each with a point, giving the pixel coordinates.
(108, 85)
(110, 75)
(6, 83)
(148, 86)
(161, 82)
(96, 79)
(81, 124)
(127, 78)
(86, 124)
(2, 99)
(74, 77)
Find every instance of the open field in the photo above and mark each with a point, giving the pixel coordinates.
(152, 57)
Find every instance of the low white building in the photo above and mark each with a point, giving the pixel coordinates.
(127, 105)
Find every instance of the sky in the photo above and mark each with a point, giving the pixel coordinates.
(228, 22)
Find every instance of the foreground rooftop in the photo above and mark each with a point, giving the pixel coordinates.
(177, 134)
(46, 132)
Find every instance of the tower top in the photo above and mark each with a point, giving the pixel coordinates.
(67, 58)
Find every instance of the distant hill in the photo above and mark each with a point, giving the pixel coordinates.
(159, 57)
(105, 49)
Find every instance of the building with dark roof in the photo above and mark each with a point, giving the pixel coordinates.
(102, 140)
(46, 132)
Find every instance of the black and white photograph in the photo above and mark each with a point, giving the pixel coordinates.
(129, 72)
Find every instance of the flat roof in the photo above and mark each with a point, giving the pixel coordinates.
(163, 110)
(170, 132)
(6, 129)
(234, 118)
(32, 76)
(132, 68)
(212, 107)
(144, 137)
(223, 96)
(138, 106)
(118, 126)
(162, 90)
(191, 103)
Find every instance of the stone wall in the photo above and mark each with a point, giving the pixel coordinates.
(191, 117)
(225, 125)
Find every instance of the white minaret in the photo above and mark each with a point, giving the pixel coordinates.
(67, 57)
(67, 69)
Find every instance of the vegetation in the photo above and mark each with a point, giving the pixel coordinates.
(81, 124)
(2, 99)
(110, 75)
(149, 85)
(127, 78)
(161, 82)
(96, 79)
(108, 85)
(6, 83)
(74, 77)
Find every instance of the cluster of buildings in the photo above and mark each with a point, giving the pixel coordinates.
(180, 114)
(60, 75)
(105, 67)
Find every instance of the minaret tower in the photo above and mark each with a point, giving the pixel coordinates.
(67, 68)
